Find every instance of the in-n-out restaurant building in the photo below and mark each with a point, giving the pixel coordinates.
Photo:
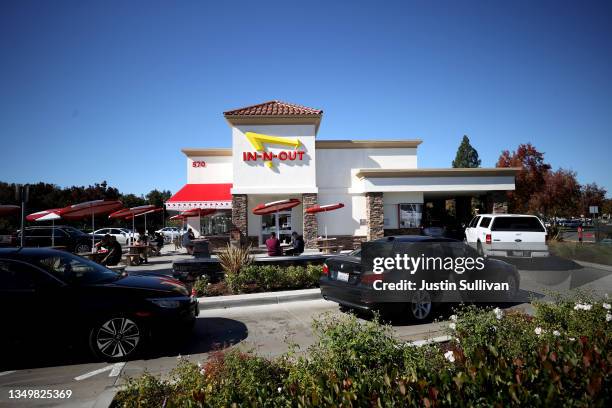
(275, 155)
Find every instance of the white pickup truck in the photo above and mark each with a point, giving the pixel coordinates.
(507, 235)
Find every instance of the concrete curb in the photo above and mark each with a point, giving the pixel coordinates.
(255, 299)
(594, 265)
(106, 397)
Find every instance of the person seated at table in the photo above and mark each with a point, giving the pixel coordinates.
(273, 245)
(144, 243)
(159, 240)
(113, 256)
(186, 240)
(104, 243)
(296, 246)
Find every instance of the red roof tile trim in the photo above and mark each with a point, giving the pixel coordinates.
(274, 108)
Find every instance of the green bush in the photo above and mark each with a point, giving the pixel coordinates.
(201, 286)
(273, 277)
(497, 358)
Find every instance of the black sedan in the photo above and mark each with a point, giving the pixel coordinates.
(343, 281)
(48, 296)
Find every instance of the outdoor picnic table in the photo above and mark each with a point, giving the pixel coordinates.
(326, 245)
(93, 256)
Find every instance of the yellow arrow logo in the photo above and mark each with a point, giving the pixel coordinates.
(258, 140)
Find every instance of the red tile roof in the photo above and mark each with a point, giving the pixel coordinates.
(274, 108)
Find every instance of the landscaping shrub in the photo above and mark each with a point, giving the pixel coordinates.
(201, 285)
(273, 277)
(496, 358)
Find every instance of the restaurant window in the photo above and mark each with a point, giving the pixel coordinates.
(218, 223)
(410, 215)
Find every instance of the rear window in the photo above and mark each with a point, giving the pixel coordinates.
(485, 222)
(530, 224)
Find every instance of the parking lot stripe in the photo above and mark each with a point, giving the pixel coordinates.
(7, 372)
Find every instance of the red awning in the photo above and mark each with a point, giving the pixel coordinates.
(192, 196)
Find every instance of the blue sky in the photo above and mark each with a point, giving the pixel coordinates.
(112, 90)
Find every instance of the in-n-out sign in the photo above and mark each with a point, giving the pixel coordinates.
(258, 141)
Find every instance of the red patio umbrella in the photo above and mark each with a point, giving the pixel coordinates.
(46, 215)
(144, 213)
(324, 208)
(198, 212)
(8, 209)
(89, 208)
(127, 213)
(274, 207)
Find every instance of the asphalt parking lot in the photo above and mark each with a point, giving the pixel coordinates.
(265, 329)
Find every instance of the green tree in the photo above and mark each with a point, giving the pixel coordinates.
(467, 156)
(158, 198)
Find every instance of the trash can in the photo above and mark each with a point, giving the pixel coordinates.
(200, 248)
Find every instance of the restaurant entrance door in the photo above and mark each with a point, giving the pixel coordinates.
(280, 223)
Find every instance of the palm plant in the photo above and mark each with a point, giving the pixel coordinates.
(234, 258)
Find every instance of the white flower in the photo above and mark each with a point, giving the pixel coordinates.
(457, 340)
(498, 313)
(538, 330)
(583, 306)
(453, 318)
(453, 326)
(556, 333)
(202, 371)
(572, 338)
(199, 365)
(606, 306)
(450, 356)
(608, 317)
(279, 389)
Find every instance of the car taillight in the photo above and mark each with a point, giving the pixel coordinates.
(325, 270)
(371, 278)
(488, 238)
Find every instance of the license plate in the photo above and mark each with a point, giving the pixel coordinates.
(518, 253)
(342, 276)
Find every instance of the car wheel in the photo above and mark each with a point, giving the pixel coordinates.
(421, 306)
(116, 338)
(80, 248)
(479, 249)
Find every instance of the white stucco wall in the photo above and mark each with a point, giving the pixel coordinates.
(441, 184)
(287, 177)
(337, 182)
(218, 170)
(336, 168)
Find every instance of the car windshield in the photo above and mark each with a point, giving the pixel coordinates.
(76, 270)
(73, 231)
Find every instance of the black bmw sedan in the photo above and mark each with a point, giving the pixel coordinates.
(48, 295)
(345, 281)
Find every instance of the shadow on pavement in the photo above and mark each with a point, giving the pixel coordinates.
(209, 334)
(548, 263)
